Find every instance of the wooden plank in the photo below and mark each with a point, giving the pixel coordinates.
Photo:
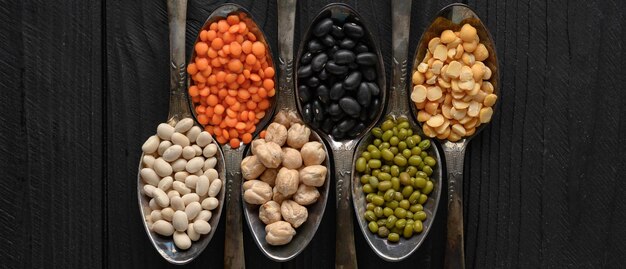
(51, 136)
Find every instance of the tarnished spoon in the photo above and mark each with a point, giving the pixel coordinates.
(179, 109)
(286, 106)
(453, 17)
(233, 245)
(398, 107)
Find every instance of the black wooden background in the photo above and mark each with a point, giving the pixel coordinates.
(84, 83)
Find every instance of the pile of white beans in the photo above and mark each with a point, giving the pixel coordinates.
(180, 178)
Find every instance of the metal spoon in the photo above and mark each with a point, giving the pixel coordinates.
(453, 17)
(286, 103)
(179, 109)
(233, 245)
(398, 108)
(343, 150)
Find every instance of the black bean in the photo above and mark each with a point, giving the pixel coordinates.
(334, 109)
(360, 48)
(337, 32)
(346, 125)
(339, 117)
(327, 125)
(332, 50)
(323, 27)
(313, 82)
(323, 93)
(347, 43)
(366, 58)
(319, 61)
(315, 46)
(328, 40)
(373, 109)
(363, 95)
(373, 88)
(337, 134)
(304, 94)
(334, 68)
(344, 56)
(352, 81)
(318, 111)
(306, 58)
(353, 30)
(323, 75)
(353, 66)
(363, 115)
(305, 71)
(369, 73)
(307, 112)
(350, 106)
(336, 92)
(358, 128)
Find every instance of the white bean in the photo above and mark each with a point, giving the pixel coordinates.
(203, 215)
(166, 183)
(179, 220)
(172, 193)
(153, 204)
(161, 197)
(194, 164)
(210, 163)
(177, 203)
(202, 227)
(163, 227)
(183, 125)
(193, 133)
(148, 161)
(180, 187)
(181, 176)
(165, 131)
(204, 138)
(151, 145)
(148, 190)
(190, 198)
(180, 139)
(179, 165)
(181, 240)
(149, 176)
(191, 181)
(189, 152)
(202, 185)
(167, 213)
(215, 187)
(211, 174)
(209, 151)
(210, 203)
(163, 146)
(172, 153)
(198, 149)
(156, 215)
(192, 210)
(162, 168)
(193, 235)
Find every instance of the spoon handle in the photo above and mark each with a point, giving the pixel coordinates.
(455, 254)
(286, 25)
(177, 17)
(401, 20)
(345, 252)
(233, 245)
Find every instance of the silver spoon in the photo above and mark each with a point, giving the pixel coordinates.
(233, 245)
(286, 103)
(453, 17)
(398, 108)
(343, 150)
(179, 109)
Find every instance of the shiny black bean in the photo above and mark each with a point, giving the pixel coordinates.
(343, 56)
(337, 134)
(363, 95)
(307, 112)
(366, 58)
(319, 61)
(353, 30)
(313, 82)
(334, 109)
(323, 93)
(352, 81)
(337, 32)
(346, 125)
(347, 43)
(334, 68)
(369, 73)
(315, 46)
(339, 117)
(305, 71)
(373, 109)
(374, 90)
(358, 128)
(353, 66)
(327, 125)
(350, 106)
(306, 58)
(323, 27)
(322, 75)
(336, 91)
(318, 111)
(304, 94)
(360, 48)
(328, 40)
(332, 51)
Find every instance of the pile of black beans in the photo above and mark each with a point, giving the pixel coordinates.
(337, 78)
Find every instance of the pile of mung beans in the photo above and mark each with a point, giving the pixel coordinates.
(395, 171)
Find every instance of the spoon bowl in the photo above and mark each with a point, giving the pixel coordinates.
(178, 110)
(453, 17)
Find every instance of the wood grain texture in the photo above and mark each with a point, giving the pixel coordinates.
(51, 135)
